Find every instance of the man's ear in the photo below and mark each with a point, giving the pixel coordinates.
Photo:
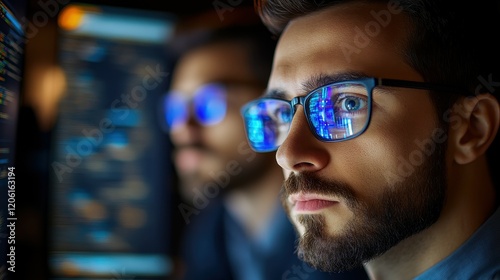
(480, 121)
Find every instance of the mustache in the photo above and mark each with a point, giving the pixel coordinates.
(309, 183)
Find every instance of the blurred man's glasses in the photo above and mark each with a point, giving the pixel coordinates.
(209, 106)
(335, 112)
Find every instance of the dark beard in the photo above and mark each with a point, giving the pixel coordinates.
(404, 209)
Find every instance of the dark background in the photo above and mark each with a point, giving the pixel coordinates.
(178, 7)
(36, 124)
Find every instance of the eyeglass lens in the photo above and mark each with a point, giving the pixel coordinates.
(209, 106)
(336, 111)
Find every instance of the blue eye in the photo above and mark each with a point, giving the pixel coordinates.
(282, 114)
(352, 103)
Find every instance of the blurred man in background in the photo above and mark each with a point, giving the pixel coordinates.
(235, 227)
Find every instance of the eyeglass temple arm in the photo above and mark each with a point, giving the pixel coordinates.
(420, 85)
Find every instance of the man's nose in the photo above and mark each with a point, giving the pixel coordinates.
(301, 151)
(188, 130)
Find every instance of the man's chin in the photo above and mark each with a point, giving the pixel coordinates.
(323, 253)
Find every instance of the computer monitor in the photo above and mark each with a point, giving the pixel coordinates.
(12, 44)
(110, 195)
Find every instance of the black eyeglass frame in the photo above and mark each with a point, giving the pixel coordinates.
(370, 83)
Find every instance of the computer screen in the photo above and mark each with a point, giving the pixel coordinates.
(12, 44)
(109, 187)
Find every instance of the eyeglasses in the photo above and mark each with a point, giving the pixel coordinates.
(209, 106)
(335, 112)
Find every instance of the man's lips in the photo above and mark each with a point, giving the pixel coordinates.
(188, 159)
(309, 202)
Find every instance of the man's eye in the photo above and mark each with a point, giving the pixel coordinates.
(282, 115)
(351, 103)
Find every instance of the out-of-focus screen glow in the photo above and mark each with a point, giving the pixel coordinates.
(109, 206)
(11, 70)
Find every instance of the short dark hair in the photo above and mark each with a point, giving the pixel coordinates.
(450, 42)
(254, 37)
(446, 35)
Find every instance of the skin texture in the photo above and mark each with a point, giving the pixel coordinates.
(314, 45)
(203, 153)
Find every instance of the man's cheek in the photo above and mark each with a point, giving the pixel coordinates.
(286, 173)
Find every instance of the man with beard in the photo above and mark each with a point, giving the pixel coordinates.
(388, 113)
(235, 225)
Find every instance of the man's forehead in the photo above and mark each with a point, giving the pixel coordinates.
(339, 39)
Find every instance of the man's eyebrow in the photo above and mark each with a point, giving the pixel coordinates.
(275, 93)
(320, 80)
(315, 82)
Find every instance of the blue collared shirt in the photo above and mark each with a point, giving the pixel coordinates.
(477, 259)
